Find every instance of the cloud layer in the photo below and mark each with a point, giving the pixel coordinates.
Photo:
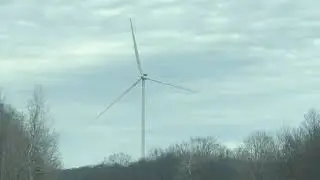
(254, 65)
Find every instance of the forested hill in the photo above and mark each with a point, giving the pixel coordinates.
(29, 150)
(292, 154)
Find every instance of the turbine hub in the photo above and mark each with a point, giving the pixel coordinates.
(144, 76)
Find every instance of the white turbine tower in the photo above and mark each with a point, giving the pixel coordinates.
(142, 78)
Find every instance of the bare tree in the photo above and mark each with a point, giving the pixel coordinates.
(12, 142)
(311, 125)
(27, 143)
(260, 151)
(197, 151)
(118, 159)
(42, 151)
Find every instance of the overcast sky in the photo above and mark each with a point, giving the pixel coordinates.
(255, 65)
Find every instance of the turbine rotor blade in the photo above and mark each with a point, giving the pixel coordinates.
(172, 85)
(136, 49)
(119, 98)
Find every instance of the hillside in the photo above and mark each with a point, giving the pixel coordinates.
(291, 154)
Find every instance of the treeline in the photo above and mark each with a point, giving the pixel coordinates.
(291, 154)
(28, 147)
(29, 151)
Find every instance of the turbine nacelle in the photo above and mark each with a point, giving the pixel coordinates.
(144, 76)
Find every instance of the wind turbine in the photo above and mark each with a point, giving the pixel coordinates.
(143, 77)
